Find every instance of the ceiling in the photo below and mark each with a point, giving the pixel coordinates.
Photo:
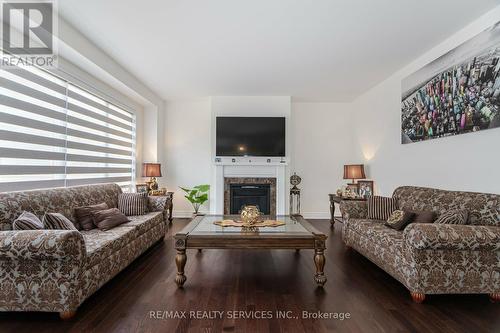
(321, 50)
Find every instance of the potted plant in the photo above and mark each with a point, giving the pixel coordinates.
(197, 196)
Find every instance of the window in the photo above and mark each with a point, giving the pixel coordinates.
(53, 133)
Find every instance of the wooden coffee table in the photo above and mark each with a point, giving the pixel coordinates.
(297, 233)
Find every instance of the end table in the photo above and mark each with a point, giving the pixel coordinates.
(336, 199)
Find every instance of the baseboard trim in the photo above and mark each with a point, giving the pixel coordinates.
(306, 215)
(185, 213)
(316, 215)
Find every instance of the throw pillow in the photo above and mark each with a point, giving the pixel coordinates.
(108, 218)
(57, 221)
(84, 215)
(27, 221)
(399, 219)
(133, 203)
(459, 216)
(380, 208)
(424, 216)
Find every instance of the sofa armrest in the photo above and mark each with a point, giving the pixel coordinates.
(160, 204)
(353, 209)
(422, 236)
(61, 245)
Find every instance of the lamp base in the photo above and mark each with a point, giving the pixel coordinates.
(153, 184)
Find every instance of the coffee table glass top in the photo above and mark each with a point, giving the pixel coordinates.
(207, 226)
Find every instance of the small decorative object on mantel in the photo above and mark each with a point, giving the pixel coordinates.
(197, 196)
(152, 170)
(295, 194)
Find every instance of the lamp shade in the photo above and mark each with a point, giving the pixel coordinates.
(354, 171)
(151, 170)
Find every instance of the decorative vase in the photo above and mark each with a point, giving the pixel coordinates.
(250, 215)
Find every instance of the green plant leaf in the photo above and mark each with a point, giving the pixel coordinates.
(203, 188)
(185, 189)
(201, 198)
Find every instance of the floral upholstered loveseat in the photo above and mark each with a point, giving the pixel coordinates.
(56, 270)
(433, 258)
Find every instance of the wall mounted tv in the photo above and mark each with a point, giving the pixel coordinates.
(250, 136)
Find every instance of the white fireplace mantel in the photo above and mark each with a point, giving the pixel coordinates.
(222, 171)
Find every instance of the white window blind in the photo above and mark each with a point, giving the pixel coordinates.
(53, 133)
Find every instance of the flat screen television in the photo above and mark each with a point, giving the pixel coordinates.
(250, 136)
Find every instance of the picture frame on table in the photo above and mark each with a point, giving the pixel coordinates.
(142, 188)
(354, 188)
(365, 188)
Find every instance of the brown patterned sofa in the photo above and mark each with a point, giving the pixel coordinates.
(56, 270)
(433, 258)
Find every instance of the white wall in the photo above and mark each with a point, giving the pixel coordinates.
(187, 150)
(323, 143)
(463, 162)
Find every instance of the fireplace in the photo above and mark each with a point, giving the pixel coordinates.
(241, 191)
(256, 194)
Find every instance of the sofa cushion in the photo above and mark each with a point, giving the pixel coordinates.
(144, 222)
(108, 218)
(377, 232)
(101, 244)
(57, 221)
(424, 216)
(459, 216)
(399, 219)
(27, 221)
(84, 215)
(380, 208)
(133, 203)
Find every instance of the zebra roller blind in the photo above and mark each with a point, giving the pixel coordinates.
(53, 134)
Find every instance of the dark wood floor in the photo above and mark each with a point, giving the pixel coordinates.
(223, 280)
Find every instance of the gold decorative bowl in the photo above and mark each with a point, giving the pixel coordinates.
(250, 215)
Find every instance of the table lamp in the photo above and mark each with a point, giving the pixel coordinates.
(152, 170)
(354, 171)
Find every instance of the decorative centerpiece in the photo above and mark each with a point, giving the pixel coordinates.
(250, 215)
(250, 220)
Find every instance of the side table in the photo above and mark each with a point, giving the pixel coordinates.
(336, 199)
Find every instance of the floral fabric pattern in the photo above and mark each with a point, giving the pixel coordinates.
(56, 270)
(56, 200)
(159, 204)
(433, 258)
(483, 208)
(353, 209)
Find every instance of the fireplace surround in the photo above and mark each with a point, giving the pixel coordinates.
(259, 191)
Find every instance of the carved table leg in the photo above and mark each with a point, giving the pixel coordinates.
(180, 261)
(417, 297)
(332, 213)
(170, 211)
(319, 261)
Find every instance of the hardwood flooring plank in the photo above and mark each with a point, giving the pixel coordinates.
(261, 280)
